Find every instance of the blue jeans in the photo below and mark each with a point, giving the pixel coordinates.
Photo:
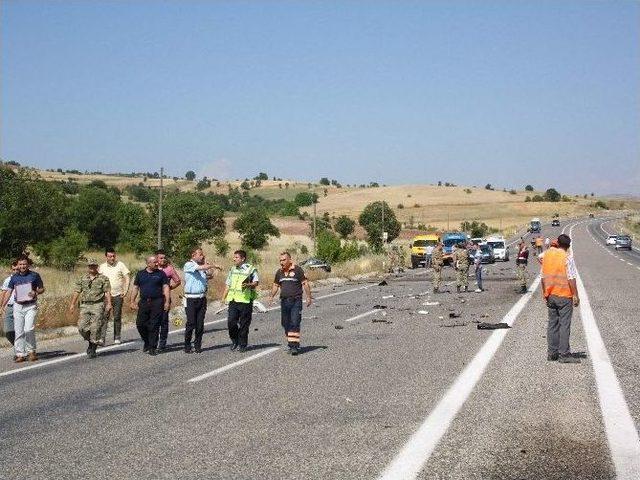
(291, 316)
(479, 277)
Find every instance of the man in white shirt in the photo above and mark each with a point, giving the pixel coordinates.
(118, 275)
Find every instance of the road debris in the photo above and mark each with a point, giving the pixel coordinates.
(379, 307)
(260, 306)
(423, 312)
(383, 283)
(338, 327)
(454, 324)
(387, 296)
(492, 326)
(454, 314)
(430, 304)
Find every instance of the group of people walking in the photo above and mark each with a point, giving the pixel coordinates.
(101, 291)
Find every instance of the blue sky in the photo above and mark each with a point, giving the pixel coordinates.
(507, 93)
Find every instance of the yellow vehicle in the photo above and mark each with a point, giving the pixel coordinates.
(421, 248)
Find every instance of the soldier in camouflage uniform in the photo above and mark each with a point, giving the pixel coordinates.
(437, 260)
(461, 263)
(521, 266)
(93, 291)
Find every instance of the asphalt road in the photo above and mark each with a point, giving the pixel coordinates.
(376, 393)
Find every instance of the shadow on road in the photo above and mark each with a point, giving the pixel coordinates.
(311, 348)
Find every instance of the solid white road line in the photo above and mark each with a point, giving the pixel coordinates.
(62, 359)
(410, 460)
(226, 368)
(622, 435)
(362, 315)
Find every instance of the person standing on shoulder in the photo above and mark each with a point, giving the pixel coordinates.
(9, 329)
(461, 263)
(118, 275)
(153, 286)
(560, 294)
(93, 291)
(291, 281)
(197, 273)
(174, 282)
(239, 293)
(521, 266)
(437, 261)
(24, 286)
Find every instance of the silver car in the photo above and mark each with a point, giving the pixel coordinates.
(623, 242)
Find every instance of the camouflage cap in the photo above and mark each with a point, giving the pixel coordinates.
(91, 261)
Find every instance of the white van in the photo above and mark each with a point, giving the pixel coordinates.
(500, 249)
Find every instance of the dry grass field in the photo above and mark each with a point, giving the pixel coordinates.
(446, 207)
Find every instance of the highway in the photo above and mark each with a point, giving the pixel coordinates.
(412, 390)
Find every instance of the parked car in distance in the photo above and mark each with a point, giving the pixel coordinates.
(487, 253)
(623, 242)
(555, 222)
(500, 249)
(611, 239)
(477, 240)
(316, 263)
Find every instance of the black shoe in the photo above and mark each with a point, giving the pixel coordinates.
(552, 357)
(523, 289)
(242, 348)
(458, 289)
(295, 350)
(145, 348)
(234, 346)
(92, 350)
(162, 347)
(153, 352)
(197, 350)
(435, 290)
(89, 349)
(568, 359)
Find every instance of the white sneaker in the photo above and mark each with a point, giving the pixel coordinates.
(117, 341)
(478, 290)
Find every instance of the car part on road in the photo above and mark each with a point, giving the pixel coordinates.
(492, 326)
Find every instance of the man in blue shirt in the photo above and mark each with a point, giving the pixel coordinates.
(153, 286)
(24, 286)
(197, 273)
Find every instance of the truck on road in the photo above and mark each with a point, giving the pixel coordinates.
(421, 249)
(535, 225)
(449, 240)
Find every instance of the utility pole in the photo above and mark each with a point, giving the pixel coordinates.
(314, 227)
(160, 210)
(382, 233)
(447, 219)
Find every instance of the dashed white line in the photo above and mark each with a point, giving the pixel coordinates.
(230, 366)
(362, 315)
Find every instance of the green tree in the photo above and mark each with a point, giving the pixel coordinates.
(325, 181)
(552, 195)
(203, 184)
(32, 211)
(371, 220)
(289, 209)
(344, 226)
(255, 228)
(136, 228)
(94, 213)
(221, 245)
(328, 246)
(64, 251)
(529, 188)
(304, 199)
(190, 175)
(198, 215)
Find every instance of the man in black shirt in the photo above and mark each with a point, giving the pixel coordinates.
(153, 286)
(291, 282)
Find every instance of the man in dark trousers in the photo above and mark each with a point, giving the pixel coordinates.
(197, 273)
(240, 292)
(153, 286)
(291, 282)
(521, 266)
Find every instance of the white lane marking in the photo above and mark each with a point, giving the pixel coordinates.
(171, 332)
(362, 315)
(622, 435)
(63, 359)
(410, 460)
(226, 368)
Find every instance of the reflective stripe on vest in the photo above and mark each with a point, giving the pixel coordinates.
(236, 292)
(554, 273)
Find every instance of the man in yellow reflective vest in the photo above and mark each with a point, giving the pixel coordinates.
(561, 295)
(239, 293)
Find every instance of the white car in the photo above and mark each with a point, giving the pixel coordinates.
(611, 239)
(500, 249)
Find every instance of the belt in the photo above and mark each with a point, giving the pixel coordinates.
(91, 302)
(195, 295)
(149, 299)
